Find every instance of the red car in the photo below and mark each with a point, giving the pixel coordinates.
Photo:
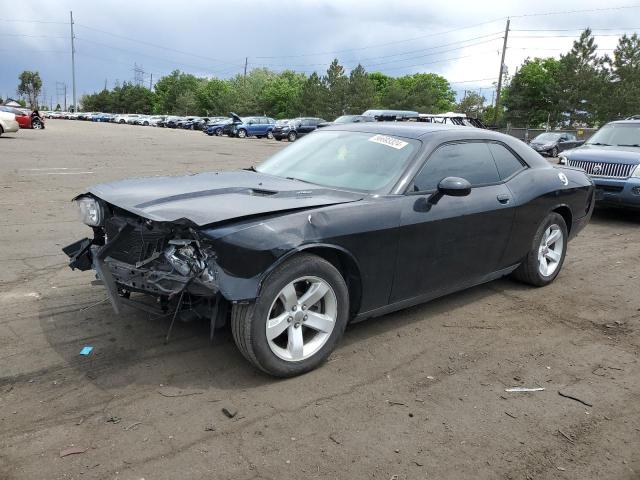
(25, 120)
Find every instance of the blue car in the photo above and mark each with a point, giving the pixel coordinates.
(252, 126)
(219, 127)
(612, 159)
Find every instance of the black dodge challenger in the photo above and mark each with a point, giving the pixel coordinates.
(352, 222)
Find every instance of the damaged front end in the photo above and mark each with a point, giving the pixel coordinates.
(164, 259)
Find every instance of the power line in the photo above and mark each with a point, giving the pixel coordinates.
(156, 45)
(567, 12)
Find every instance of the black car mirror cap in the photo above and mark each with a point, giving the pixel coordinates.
(454, 187)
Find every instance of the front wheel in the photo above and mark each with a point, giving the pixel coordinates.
(218, 132)
(295, 323)
(36, 124)
(270, 135)
(554, 152)
(292, 136)
(548, 249)
(242, 133)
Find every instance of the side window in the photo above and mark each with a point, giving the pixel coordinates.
(507, 162)
(305, 123)
(471, 160)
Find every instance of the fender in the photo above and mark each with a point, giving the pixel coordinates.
(302, 248)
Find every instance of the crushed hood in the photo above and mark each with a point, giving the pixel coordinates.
(209, 198)
(602, 153)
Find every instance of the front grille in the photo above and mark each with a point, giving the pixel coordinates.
(600, 169)
(136, 244)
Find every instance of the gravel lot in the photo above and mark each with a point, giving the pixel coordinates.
(416, 394)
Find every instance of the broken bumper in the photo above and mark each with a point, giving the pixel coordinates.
(154, 278)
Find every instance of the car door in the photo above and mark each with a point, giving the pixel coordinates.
(306, 126)
(456, 241)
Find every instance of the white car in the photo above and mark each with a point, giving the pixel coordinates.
(132, 118)
(153, 121)
(120, 118)
(8, 123)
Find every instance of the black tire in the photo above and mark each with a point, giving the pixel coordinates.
(279, 139)
(1, 130)
(554, 152)
(242, 133)
(218, 132)
(248, 320)
(270, 135)
(292, 136)
(529, 271)
(146, 124)
(121, 122)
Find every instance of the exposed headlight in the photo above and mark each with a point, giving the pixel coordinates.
(91, 211)
(636, 172)
(562, 160)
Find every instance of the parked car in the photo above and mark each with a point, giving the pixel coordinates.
(254, 127)
(221, 127)
(8, 122)
(552, 143)
(156, 119)
(120, 118)
(173, 122)
(296, 128)
(24, 118)
(132, 118)
(352, 222)
(102, 117)
(611, 157)
(348, 119)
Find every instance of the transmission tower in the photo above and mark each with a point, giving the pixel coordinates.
(138, 75)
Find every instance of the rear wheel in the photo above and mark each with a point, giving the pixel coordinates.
(546, 256)
(554, 152)
(218, 132)
(295, 323)
(292, 136)
(270, 135)
(1, 130)
(36, 124)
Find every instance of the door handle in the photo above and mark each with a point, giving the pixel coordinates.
(503, 198)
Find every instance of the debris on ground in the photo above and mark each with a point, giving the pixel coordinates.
(113, 419)
(229, 412)
(524, 389)
(178, 392)
(133, 426)
(333, 437)
(86, 350)
(566, 436)
(391, 402)
(572, 396)
(510, 415)
(71, 451)
(210, 428)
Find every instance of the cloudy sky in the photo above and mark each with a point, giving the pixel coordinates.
(460, 40)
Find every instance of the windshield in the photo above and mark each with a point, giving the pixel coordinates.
(350, 160)
(619, 134)
(547, 137)
(281, 123)
(346, 119)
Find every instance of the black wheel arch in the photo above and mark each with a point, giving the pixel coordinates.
(340, 258)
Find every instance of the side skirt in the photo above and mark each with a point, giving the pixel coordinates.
(410, 302)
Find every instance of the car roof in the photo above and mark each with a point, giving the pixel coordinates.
(403, 129)
(628, 121)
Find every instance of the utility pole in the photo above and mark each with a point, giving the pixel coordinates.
(151, 81)
(73, 66)
(504, 49)
(246, 61)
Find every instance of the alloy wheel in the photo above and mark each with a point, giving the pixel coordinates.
(270, 135)
(301, 319)
(550, 250)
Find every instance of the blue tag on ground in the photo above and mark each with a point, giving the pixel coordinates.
(86, 351)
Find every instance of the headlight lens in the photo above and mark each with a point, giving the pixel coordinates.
(91, 211)
(636, 172)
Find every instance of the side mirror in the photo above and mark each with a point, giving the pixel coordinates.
(454, 186)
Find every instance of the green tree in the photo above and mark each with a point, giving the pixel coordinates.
(314, 96)
(30, 86)
(169, 88)
(186, 103)
(281, 97)
(472, 105)
(214, 97)
(625, 67)
(584, 83)
(362, 91)
(338, 90)
(532, 96)
(381, 83)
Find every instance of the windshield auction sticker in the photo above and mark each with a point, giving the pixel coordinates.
(388, 141)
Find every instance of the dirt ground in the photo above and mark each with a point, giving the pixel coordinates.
(413, 395)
